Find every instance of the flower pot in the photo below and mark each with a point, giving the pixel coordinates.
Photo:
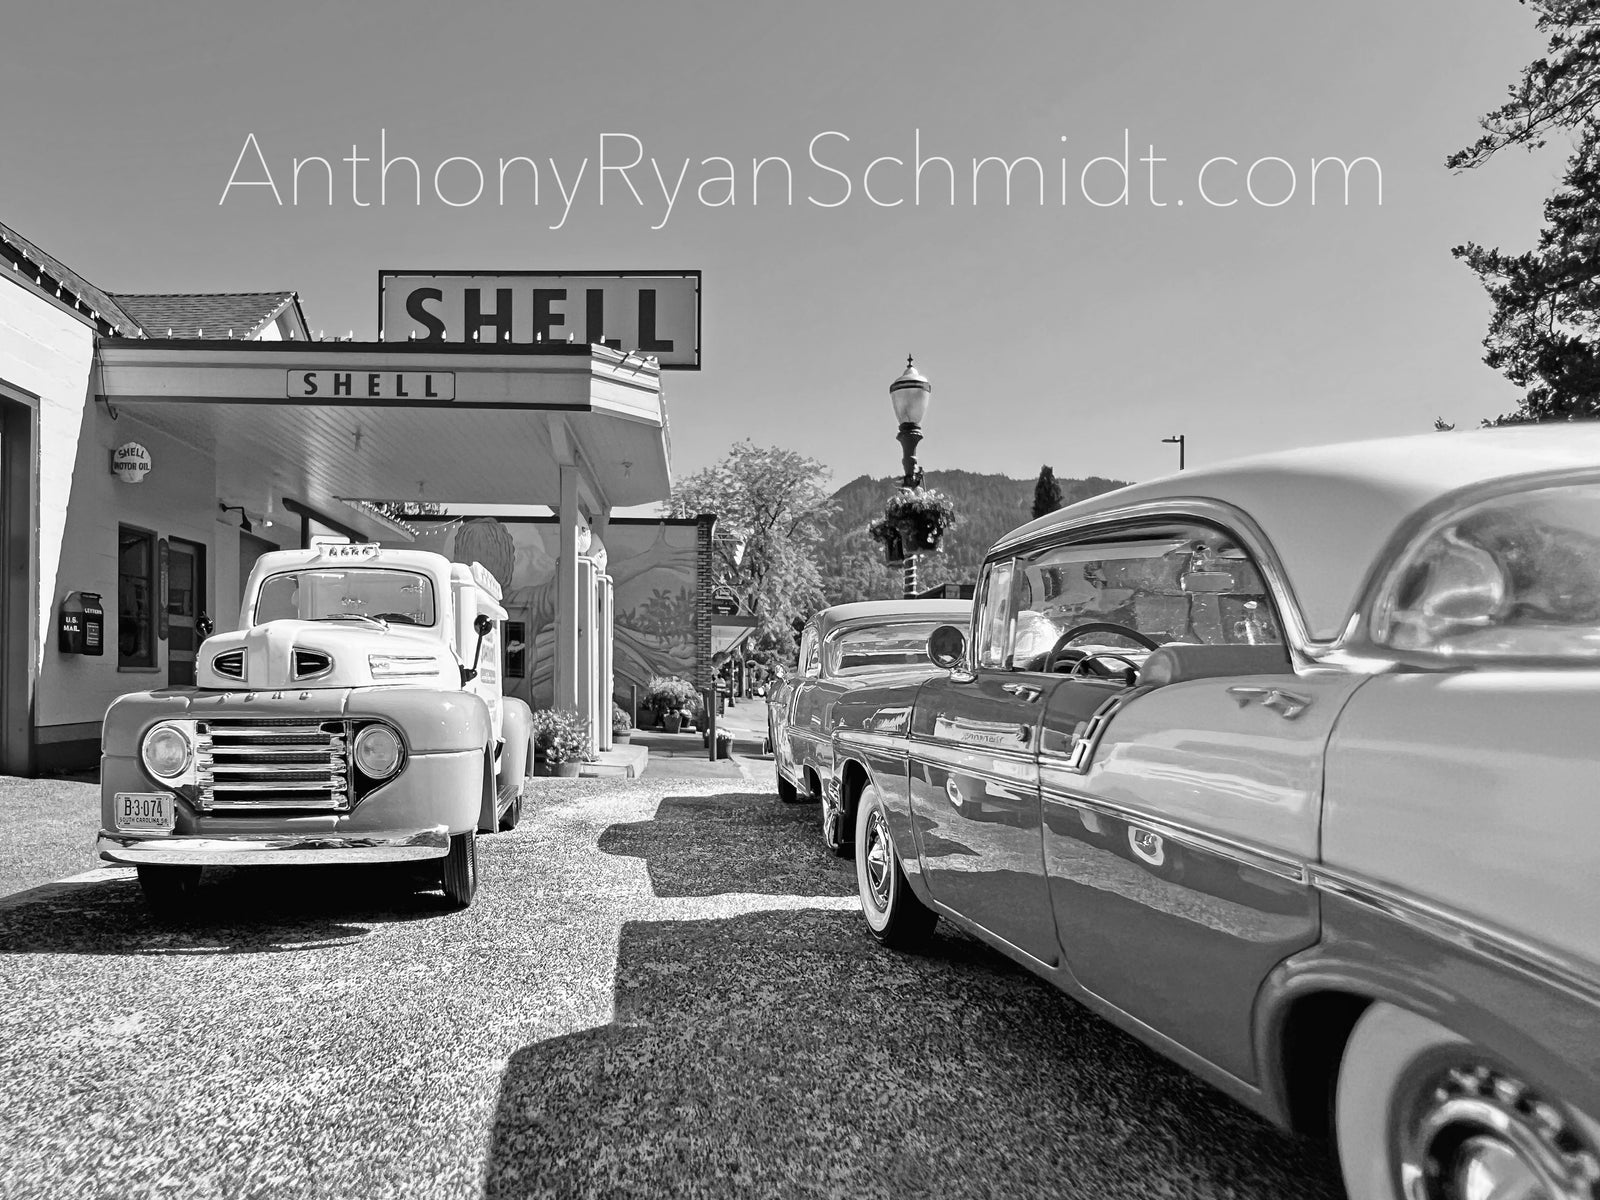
(621, 739)
(672, 722)
(724, 747)
(541, 766)
(566, 770)
(916, 538)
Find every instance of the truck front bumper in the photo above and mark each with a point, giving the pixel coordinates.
(288, 850)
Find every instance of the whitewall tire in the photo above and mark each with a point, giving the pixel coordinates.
(894, 914)
(1422, 1114)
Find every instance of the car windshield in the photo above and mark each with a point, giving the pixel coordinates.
(881, 648)
(1513, 577)
(405, 597)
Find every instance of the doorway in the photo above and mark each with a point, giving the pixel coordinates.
(18, 581)
(251, 548)
(185, 600)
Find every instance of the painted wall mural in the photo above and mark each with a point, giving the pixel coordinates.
(652, 567)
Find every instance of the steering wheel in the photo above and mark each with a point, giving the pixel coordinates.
(1061, 652)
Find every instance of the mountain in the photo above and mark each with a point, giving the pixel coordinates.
(987, 506)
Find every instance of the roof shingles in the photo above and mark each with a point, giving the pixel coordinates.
(220, 315)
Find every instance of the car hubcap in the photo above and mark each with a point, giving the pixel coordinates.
(878, 860)
(1482, 1135)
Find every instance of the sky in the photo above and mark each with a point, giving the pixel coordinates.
(1078, 332)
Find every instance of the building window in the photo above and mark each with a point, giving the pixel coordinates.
(136, 586)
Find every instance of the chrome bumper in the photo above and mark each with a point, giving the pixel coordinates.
(288, 851)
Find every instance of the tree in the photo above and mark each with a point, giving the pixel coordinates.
(1544, 333)
(779, 502)
(1046, 493)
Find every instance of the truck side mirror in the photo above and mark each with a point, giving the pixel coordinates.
(481, 625)
(204, 626)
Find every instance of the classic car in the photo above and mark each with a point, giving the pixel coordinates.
(355, 716)
(1288, 767)
(842, 648)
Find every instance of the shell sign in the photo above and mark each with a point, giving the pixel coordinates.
(130, 462)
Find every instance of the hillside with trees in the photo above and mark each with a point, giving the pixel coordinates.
(987, 505)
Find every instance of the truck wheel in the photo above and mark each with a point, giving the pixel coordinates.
(513, 814)
(458, 870)
(169, 891)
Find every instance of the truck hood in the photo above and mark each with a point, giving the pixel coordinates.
(325, 654)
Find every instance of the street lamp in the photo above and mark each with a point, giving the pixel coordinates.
(909, 394)
(1177, 441)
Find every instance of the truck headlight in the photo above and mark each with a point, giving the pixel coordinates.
(378, 751)
(167, 751)
(389, 666)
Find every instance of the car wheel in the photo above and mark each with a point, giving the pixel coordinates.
(169, 890)
(895, 916)
(1420, 1112)
(458, 870)
(787, 792)
(513, 813)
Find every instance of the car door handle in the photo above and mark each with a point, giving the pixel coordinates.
(1287, 705)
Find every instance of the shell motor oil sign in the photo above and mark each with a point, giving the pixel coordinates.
(652, 314)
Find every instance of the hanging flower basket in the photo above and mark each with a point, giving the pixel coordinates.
(918, 519)
(887, 536)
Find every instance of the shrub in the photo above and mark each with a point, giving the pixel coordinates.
(542, 729)
(569, 737)
(670, 693)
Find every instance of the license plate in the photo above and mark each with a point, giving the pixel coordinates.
(144, 812)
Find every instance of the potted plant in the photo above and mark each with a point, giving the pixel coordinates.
(541, 728)
(724, 743)
(920, 516)
(697, 711)
(669, 695)
(887, 535)
(621, 725)
(569, 742)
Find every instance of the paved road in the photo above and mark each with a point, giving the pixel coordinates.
(664, 989)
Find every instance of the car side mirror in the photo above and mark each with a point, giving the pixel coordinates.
(947, 647)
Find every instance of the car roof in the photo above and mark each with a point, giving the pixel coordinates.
(832, 617)
(1328, 511)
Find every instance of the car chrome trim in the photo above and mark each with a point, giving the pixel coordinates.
(1260, 858)
(855, 738)
(1219, 513)
(288, 850)
(1463, 931)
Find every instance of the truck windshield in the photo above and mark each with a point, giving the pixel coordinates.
(405, 597)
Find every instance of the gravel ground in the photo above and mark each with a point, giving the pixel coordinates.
(50, 829)
(664, 988)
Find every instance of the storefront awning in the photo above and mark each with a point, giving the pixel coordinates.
(326, 422)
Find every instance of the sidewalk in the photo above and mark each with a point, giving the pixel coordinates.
(683, 756)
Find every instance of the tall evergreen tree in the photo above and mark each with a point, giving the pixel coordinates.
(1046, 493)
(1544, 334)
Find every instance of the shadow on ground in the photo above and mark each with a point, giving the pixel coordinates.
(237, 911)
(787, 1055)
(738, 842)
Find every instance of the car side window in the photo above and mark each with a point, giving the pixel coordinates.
(1168, 582)
(994, 616)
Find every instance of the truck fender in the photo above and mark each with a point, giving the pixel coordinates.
(489, 811)
(516, 754)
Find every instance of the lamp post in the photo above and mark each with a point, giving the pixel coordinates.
(1177, 441)
(909, 394)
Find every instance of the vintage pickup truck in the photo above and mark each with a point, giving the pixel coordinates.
(355, 716)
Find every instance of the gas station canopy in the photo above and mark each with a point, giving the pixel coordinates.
(333, 421)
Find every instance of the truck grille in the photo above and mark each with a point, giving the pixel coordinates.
(245, 764)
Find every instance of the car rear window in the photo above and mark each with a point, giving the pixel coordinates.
(881, 648)
(1515, 577)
